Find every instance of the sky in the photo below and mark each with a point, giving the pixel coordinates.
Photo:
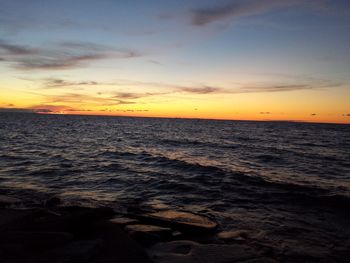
(283, 60)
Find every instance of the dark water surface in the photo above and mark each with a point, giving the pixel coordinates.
(283, 181)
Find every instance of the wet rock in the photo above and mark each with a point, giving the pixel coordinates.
(148, 229)
(6, 201)
(148, 234)
(122, 221)
(306, 253)
(192, 252)
(176, 234)
(78, 235)
(234, 235)
(182, 220)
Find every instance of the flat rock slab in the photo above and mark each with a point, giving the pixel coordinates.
(237, 235)
(184, 219)
(9, 201)
(147, 228)
(148, 234)
(192, 252)
(123, 221)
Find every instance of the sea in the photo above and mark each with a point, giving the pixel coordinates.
(280, 181)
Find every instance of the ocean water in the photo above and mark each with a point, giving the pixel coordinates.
(262, 176)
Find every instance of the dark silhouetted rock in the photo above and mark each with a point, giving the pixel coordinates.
(74, 235)
(6, 201)
(183, 221)
(78, 251)
(122, 221)
(148, 234)
(192, 252)
(41, 240)
(52, 202)
(8, 216)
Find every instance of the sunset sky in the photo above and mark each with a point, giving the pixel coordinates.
(229, 59)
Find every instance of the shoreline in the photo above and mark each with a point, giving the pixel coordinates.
(45, 230)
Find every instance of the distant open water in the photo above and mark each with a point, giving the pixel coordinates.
(241, 173)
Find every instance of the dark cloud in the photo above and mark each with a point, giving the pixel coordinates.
(204, 16)
(56, 83)
(272, 88)
(131, 95)
(207, 15)
(313, 114)
(10, 49)
(200, 90)
(62, 56)
(78, 98)
(43, 111)
(56, 62)
(16, 110)
(124, 102)
(83, 46)
(346, 115)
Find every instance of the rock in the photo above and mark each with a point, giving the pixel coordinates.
(78, 235)
(36, 240)
(123, 221)
(183, 220)
(79, 220)
(148, 229)
(306, 253)
(8, 216)
(260, 260)
(148, 234)
(78, 251)
(52, 202)
(192, 252)
(237, 235)
(176, 234)
(6, 201)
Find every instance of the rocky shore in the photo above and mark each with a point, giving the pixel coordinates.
(52, 232)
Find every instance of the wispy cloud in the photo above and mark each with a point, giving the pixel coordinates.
(11, 49)
(204, 16)
(55, 62)
(78, 99)
(131, 95)
(64, 55)
(256, 88)
(201, 90)
(58, 83)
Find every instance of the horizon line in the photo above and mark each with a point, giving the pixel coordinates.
(185, 118)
